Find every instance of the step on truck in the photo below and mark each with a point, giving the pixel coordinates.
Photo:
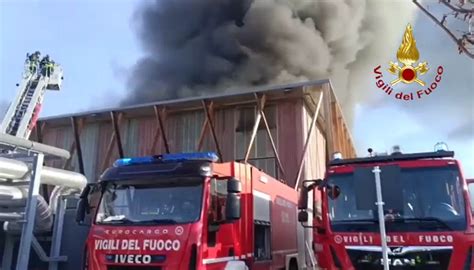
(426, 213)
(187, 211)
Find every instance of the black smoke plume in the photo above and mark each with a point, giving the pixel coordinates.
(201, 47)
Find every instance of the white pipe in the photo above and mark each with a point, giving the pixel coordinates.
(57, 177)
(43, 218)
(27, 144)
(10, 193)
(14, 196)
(14, 169)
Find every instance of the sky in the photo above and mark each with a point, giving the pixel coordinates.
(95, 42)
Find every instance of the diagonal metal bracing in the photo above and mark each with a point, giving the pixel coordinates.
(255, 128)
(160, 131)
(308, 138)
(77, 126)
(204, 127)
(108, 153)
(260, 106)
(213, 130)
(118, 140)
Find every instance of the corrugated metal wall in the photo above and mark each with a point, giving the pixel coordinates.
(289, 120)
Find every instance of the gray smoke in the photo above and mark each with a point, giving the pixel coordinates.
(194, 47)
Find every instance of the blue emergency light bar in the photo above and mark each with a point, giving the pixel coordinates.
(205, 156)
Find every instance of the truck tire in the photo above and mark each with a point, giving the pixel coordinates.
(293, 264)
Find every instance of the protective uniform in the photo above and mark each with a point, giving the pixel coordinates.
(33, 60)
(46, 66)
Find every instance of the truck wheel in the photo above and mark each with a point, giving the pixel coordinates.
(293, 264)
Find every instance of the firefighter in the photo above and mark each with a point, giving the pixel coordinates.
(33, 61)
(46, 66)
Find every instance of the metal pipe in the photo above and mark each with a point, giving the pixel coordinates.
(10, 193)
(14, 169)
(43, 217)
(57, 177)
(10, 216)
(30, 145)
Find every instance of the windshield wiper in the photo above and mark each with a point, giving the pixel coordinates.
(158, 221)
(122, 220)
(365, 221)
(439, 223)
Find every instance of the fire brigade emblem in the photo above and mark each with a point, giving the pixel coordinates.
(408, 55)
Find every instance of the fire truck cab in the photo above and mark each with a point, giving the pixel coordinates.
(186, 211)
(426, 212)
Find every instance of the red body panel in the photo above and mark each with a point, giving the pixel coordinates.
(234, 241)
(460, 241)
(35, 116)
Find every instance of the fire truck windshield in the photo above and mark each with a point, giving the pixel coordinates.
(432, 200)
(148, 203)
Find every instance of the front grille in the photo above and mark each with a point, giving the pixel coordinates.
(412, 258)
(119, 267)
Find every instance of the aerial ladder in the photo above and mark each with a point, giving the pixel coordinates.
(23, 112)
(29, 221)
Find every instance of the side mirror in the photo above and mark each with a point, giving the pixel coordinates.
(85, 192)
(232, 208)
(82, 207)
(303, 216)
(83, 204)
(303, 198)
(234, 186)
(333, 191)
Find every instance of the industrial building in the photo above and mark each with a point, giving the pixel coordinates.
(221, 123)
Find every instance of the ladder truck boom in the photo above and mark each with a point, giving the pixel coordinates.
(32, 218)
(22, 114)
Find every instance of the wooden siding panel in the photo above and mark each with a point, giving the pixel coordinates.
(224, 121)
(89, 147)
(105, 133)
(290, 134)
(315, 160)
(147, 128)
(138, 128)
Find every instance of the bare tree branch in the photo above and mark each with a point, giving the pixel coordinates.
(457, 9)
(459, 41)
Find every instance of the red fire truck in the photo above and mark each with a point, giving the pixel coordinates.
(426, 213)
(470, 187)
(187, 211)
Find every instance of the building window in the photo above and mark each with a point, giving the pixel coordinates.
(261, 154)
(262, 241)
